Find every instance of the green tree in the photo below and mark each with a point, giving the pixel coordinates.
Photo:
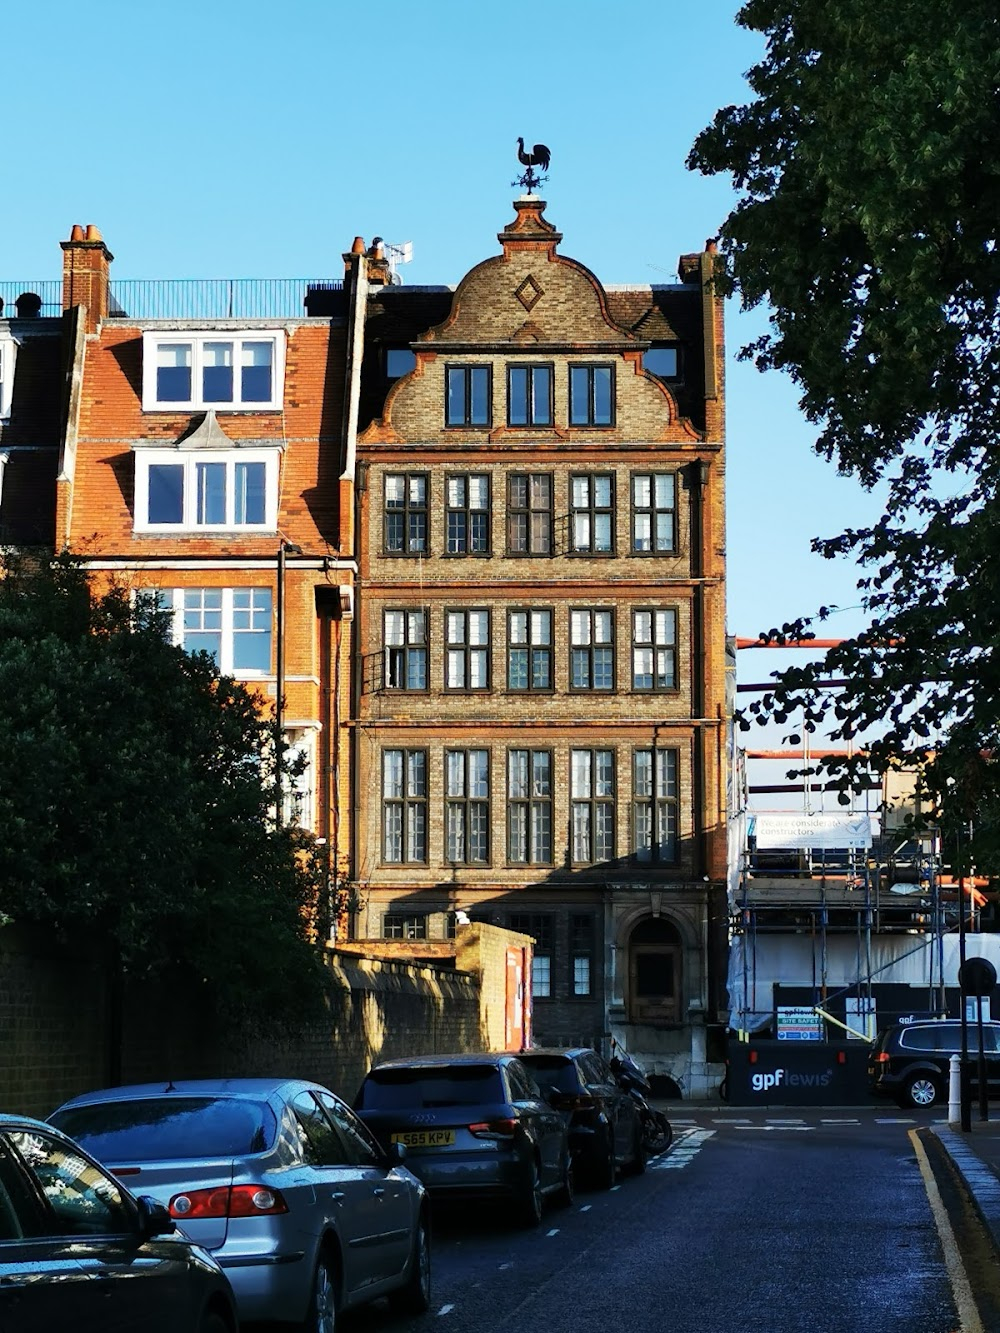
(134, 803)
(869, 176)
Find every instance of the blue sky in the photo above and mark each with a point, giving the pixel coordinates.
(210, 138)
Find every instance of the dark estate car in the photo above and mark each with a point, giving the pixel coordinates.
(910, 1061)
(78, 1251)
(473, 1126)
(280, 1181)
(605, 1133)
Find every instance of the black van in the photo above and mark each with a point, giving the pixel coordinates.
(910, 1062)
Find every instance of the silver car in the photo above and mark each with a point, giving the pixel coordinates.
(279, 1180)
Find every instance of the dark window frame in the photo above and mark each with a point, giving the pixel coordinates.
(541, 927)
(407, 511)
(467, 510)
(464, 804)
(466, 370)
(406, 649)
(530, 368)
(582, 944)
(653, 510)
(530, 511)
(396, 926)
(404, 803)
(655, 804)
(590, 649)
(592, 804)
(678, 350)
(466, 649)
(592, 509)
(591, 422)
(528, 804)
(531, 649)
(669, 649)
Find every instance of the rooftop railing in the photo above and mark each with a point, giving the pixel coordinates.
(185, 298)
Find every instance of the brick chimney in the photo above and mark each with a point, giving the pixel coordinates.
(86, 269)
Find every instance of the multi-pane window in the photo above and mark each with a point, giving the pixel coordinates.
(469, 394)
(467, 515)
(591, 395)
(592, 517)
(529, 395)
(592, 805)
(233, 625)
(654, 805)
(654, 499)
(206, 491)
(405, 662)
(654, 650)
(529, 513)
(529, 807)
(406, 513)
(207, 370)
(581, 945)
(467, 806)
(404, 805)
(540, 926)
(400, 926)
(592, 650)
(468, 650)
(529, 650)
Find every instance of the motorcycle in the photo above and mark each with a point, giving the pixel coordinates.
(657, 1134)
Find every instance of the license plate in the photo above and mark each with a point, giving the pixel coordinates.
(425, 1138)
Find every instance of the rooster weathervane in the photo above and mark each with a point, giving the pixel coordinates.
(538, 157)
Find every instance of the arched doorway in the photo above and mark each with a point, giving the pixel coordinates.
(654, 972)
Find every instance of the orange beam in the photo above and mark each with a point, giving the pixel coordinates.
(790, 643)
(798, 754)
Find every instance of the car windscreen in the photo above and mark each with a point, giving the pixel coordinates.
(454, 1085)
(160, 1129)
(552, 1072)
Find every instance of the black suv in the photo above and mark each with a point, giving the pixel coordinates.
(910, 1061)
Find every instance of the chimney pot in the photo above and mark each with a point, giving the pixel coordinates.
(93, 233)
(358, 248)
(77, 233)
(712, 245)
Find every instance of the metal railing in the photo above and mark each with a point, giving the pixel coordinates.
(188, 298)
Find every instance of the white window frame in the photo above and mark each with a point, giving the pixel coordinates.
(151, 341)
(189, 458)
(172, 600)
(8, 357)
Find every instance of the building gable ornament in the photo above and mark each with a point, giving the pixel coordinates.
(208, 435)
(530, 292)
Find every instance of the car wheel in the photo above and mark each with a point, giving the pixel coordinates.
(415, 1296)
(213, 1322)
(322, 1316)
(922, 1090)
(565, 1193)
(529, 1207)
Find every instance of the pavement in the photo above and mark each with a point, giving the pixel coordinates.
(975, 1154)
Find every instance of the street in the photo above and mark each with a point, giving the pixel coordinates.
(812, 1223)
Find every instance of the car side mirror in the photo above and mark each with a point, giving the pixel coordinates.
(396, 1153)
(154, 1218)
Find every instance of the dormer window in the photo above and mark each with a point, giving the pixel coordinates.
(200, 370)
(399, 361)
(662, 360)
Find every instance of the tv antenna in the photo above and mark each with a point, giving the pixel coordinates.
(396, 255)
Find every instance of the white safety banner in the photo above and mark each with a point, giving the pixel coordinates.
(784, 829)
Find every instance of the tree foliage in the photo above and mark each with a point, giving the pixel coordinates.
(869, 176)
(134, 802)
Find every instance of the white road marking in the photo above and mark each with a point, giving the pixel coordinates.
(686, 1146)
(503, 1266)
(779, 1129)
(894, 1120)
(744, 1121)
(445, 1309)
(968, 1315)
(778, 1120)
(553, 1232)
(585, 1208)
(614, 1188)
(843, 1120)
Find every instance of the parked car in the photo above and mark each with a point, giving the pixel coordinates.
(605, 1132)
(280, 1181)
(475, 1126)
(910, 1062)
(78, 1251)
